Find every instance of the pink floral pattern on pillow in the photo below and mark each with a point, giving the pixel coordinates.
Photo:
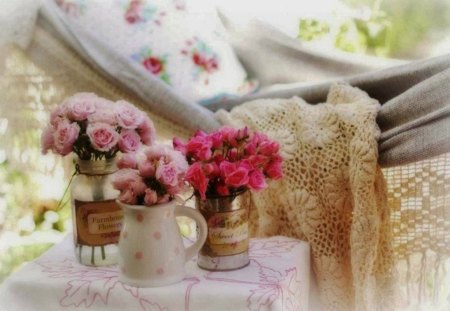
(181, 42)
(203, 57)
(142, 11)
(157, 65)
(72, 8)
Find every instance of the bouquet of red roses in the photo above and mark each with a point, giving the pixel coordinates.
(230, 161)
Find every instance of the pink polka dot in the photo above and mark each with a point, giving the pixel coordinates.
(177, 251)
(140, 217)
(157, 235)
(138, 255)
(125, 234)
(160, 271)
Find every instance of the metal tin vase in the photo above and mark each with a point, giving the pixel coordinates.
(226, 247)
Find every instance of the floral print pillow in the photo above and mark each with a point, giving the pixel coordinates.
(182, 42)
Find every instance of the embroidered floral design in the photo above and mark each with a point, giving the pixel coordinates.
(152, 63)
(204, 58)
(141, 11)
(74, 8)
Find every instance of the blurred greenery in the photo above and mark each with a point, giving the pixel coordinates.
(399, 29)
(24, 214)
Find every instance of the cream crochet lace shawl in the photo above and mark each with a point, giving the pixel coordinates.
(333, 193)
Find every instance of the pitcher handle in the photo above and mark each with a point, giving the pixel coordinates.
(182, 210)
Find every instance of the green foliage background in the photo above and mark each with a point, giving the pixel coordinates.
(395, 28)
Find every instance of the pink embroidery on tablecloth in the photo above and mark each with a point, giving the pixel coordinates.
(270, 248)
(87, 285)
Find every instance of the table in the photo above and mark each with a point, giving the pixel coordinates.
(277, 279)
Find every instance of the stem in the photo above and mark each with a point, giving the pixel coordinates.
(92, 255)
(81, 249)
(103, 252)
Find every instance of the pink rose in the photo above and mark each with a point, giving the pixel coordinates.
(200, 147)
(227, 168)
(151, 197)
(229, 135)
(179, 146)
(274, 169)
(104, 112)
(217, 140)
(80, 106)
(256, 180)
(237, 178)
(147, 131)
(65, 136)
(47, 139)
(130, 185)
(103, 136)
(211, 169)
(167, 174)
(129, 141)
(153, 65)
(128, 116)
(146, 168)
(128, 160)
(196, 177)
(57, 115)
(128, 197)
(123, 178)
(269, 147)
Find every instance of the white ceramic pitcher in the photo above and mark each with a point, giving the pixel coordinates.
(151, 251)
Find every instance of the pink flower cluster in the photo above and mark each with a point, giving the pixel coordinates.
(152, 176)
(94, 127)
(229, 161)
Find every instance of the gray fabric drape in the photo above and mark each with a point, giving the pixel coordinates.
(415, 97)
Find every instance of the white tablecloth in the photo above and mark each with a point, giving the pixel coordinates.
(276, 279)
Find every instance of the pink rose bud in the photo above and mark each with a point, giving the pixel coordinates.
(80, 106)
(196, 177)
(151, 197)
(146, 130)
(256, 180)
(146, 168)
(269, 147)
(65, 136)
(103, 136)
(47, 139)
(128, 197)
(123, 178)
(128, 116)
(57, 115)
(274, 170)
(179, 146)
(129, 141)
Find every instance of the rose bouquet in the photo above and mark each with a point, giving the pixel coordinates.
(93, 127)
(152, 176)
(230, 161)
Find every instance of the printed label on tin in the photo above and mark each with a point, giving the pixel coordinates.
(227, 233)
(98, 223)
